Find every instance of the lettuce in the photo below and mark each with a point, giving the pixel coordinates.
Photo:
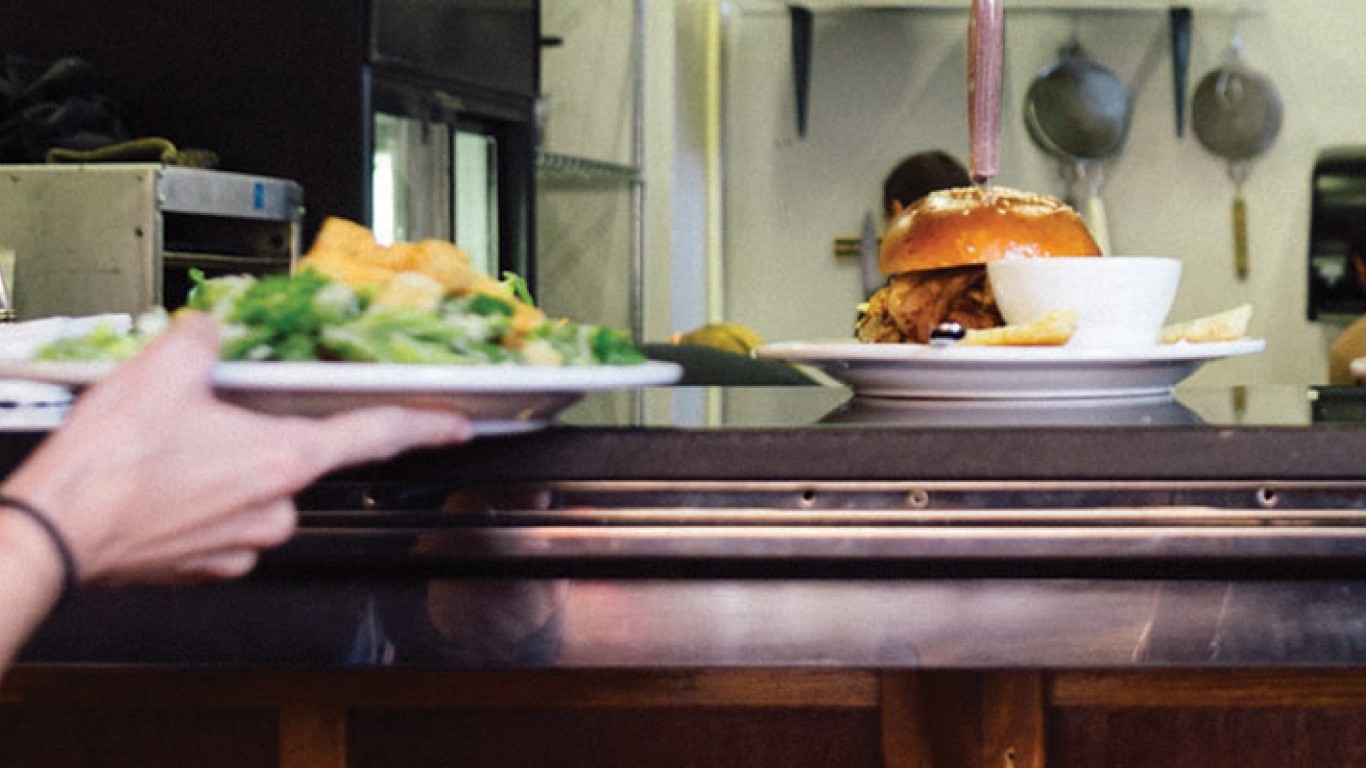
(306, 316)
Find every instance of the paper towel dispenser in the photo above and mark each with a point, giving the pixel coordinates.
(1337, 227)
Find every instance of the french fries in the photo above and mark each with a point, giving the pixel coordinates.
(1052, 329)
(1229, 325)
(1055, 328)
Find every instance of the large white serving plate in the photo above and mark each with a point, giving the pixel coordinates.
(500, 399)
(964, 372)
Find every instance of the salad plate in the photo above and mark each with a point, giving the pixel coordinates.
(1005, 373)
(499, 399)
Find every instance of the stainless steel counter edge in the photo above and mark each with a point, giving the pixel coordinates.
(315, 606)
(895, 453)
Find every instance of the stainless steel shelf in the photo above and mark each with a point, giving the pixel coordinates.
(581, 168)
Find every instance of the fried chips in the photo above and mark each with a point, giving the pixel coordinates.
(1052, 329)
(410, 274)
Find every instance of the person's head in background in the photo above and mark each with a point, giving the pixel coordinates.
(917, 176)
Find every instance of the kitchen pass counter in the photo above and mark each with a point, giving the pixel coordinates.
(781, 534)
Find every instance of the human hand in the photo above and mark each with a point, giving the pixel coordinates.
(153, 478)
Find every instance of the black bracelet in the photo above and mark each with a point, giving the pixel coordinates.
(70, 576)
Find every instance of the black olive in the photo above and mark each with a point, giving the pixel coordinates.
(947, 333)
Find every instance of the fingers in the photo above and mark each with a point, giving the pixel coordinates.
(253, 529)
(208, 566)
(373, 434)
(216, 548)
(230, 564)
(238, 554)
(266, 528)
(191, 342)
(176, 363)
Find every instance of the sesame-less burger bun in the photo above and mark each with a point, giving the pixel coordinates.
(967, 225)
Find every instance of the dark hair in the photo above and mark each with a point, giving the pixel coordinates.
(919, 175)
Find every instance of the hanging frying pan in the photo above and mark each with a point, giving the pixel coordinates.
(1078, 111)
(1236, 113)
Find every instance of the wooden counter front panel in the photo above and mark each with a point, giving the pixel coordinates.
(124, 735)
(623, 738)
(1208, 718)
(1202, 737)
(117, 718)
(57, 717)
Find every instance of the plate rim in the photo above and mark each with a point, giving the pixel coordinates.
(917, 371)
(380, 378)
(845, 352)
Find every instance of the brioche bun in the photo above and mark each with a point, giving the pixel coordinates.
(964, 226)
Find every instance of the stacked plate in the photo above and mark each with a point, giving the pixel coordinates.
(33, 404)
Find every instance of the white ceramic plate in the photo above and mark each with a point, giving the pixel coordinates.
(966, 373)
(500, 399)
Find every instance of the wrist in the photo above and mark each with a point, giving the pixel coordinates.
(42, 530)
(26, 549)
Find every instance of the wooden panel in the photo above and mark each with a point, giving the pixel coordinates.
(313, 737)
(952, 703)
(1013, 719)
(905, 732)
(1261, 737)
(136, 737)
(421, 687)
(1209, 688)
(335, 719)
(959, 719)
(659, 738)
(823, 716)
(1207, 718)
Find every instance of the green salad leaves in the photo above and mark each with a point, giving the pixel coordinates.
(306, 316)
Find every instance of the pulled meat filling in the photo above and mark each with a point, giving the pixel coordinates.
(913, 303)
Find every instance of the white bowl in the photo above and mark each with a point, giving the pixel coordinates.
(1120, 301)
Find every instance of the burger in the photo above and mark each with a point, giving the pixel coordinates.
(936, 250)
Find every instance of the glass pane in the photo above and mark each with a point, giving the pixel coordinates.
(476, 198)
(411, 179)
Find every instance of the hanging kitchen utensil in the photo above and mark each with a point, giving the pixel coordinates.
(1179, 19)
(1078, 111)
(802, 23)
(1236, 113)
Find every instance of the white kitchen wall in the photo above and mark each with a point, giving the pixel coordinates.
(889, 82)
(886, 83)
(584, 221)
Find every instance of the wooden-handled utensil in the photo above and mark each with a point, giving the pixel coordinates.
(1236, 113)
